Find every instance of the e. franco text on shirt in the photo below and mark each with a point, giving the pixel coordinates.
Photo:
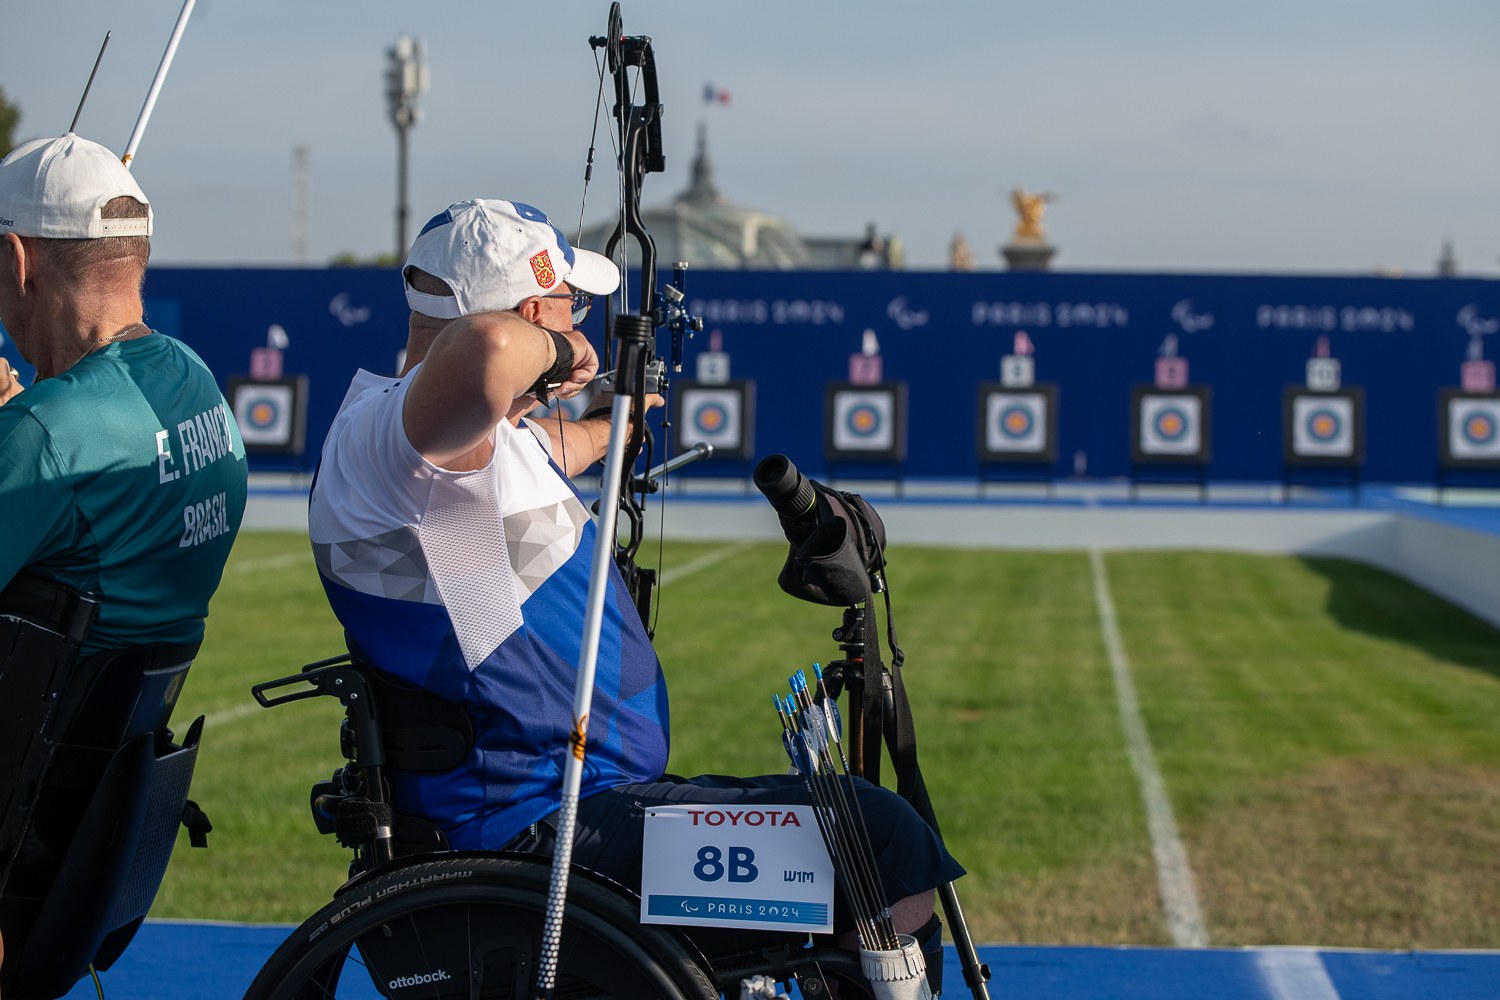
(204, 439)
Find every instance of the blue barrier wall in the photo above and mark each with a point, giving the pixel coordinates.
(942, 333)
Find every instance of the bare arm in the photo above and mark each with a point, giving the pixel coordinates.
(471, 378)
(578, 444)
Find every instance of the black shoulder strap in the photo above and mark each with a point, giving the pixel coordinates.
(872, 697)
(885, 694)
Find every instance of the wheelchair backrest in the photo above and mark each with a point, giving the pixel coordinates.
(88, 826)
(42, 628)
(419, 730)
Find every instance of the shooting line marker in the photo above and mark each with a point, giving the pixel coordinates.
(1179, 895)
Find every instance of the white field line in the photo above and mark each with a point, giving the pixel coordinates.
(1294, 974)
(272, 562)
(1179, 896)
(703, 562)
(227, 715)
(244, 709)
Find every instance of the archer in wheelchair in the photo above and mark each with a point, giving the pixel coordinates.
(457, 554)
(121, 490)
(419, 918)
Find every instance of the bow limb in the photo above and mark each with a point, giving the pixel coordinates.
(639, 372)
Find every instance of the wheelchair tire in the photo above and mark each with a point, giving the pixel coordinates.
(426, 929)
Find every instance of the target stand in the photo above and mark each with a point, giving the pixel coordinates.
(1468, 426)
(1170, 437)
(272, 415)
(1323, 440)
(865, 427)
(1016, 434)
(721, 414)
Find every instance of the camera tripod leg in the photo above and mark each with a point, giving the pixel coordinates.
(976, 974)
(848, 673)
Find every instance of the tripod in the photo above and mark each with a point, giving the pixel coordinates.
(878, 708)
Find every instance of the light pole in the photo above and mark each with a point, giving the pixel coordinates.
(405, 81)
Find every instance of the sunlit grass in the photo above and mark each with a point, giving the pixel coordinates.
(1327, 734)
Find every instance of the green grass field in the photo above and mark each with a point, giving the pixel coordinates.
(1329, 737)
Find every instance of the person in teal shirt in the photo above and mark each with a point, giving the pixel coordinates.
(122, 472)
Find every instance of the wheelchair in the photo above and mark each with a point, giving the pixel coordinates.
(97, 787)
(416, 919)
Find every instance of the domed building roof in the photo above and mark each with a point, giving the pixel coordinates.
(708, 230)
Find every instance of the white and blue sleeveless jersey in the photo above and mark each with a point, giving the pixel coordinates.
(473, 585)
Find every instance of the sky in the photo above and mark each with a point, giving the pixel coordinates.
(1279, 136)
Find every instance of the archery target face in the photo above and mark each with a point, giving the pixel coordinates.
(265, 413)
(1474, 428)
(1171, 424)
(1016, 422)
(712, 416)
(1323, 426)
(864, 421)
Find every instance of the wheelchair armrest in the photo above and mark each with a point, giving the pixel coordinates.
(315, 674)
(338, 678)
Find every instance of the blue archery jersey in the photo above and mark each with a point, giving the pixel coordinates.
(473, 586)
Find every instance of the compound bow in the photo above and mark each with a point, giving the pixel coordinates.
(638, 373)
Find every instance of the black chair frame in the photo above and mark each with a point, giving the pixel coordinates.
(390, 724)
(88, 825)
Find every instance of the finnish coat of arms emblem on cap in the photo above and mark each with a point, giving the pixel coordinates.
(541, 266)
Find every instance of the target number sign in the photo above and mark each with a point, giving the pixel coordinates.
(1323, 374)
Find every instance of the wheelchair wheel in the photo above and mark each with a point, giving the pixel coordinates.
(471, 927)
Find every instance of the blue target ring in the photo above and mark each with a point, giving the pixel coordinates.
(1171, 423)
(863, 420)
(1324, 425)
(710, 418)
(1015, 421)
(262, 413)
(1478, 429)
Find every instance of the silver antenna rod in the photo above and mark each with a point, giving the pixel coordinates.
(161, 75)
(89, 86)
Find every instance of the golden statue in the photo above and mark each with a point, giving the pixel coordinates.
(1030, 208)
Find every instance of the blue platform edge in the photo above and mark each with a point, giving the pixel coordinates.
(179, 960)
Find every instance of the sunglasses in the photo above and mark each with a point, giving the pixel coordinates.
(582, 303)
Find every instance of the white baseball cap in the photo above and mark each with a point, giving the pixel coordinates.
(494, 254)
(55, 189)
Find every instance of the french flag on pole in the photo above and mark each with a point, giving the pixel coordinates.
(714, 95)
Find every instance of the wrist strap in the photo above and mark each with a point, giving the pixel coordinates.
(561, 368)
